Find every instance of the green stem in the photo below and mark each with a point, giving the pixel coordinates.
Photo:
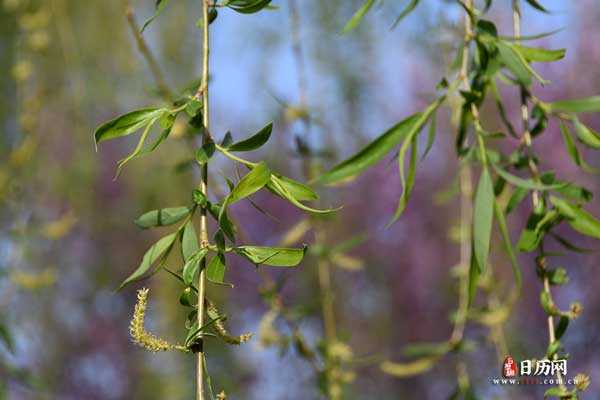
(233, 157)
(527, 139)
(204, 189)
(466, 202)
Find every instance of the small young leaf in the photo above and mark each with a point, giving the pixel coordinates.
(255, 141)
(251, 183)
(508, 246)
(588, 104)
(299, 191)
(246, 6)
(162, 217)
(215, 270)
(535, 4)
(189, 241)
(279, 187)
(524, 183)
(574, 152)
(561, 328)
(587, 136)
(160, 6)
(579, 219)
(483, 216)
(273, 256)
(372, 153)
(192, 266)
(126, 124)
(408, 369)
(515, 62)
(539, 54)
(158, 250)
(358, 16)
(409, 8)
(517, 197)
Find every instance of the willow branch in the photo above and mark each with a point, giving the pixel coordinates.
(161, 84)
(204, 189)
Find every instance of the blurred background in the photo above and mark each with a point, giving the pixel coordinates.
(67, 238)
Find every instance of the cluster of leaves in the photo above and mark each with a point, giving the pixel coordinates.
(259, 177)
(240, 6)
(497, 59)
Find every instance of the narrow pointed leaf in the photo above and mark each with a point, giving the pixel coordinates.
(483, 216)
(272, 256)
(508, 246)
(409, 8)
(524, 183)
(251, 183)
(579, 219)
(158, 250)
(215, 270)
(192, 265)
(255, 141)
(189, 241)
(539, 54)
(536, 4)
(126, 124)
(372, 153)
(358, 16)
(587, 136)
(162, 217)
(588, 104)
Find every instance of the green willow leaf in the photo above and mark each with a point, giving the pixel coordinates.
(358, 16)
(531, 37)
(189, 241)
(515, 62)
(588, 104)
(535, 4)
(251, 183)
(160, 6)
(524, 183)
(127, 124)
(409, 8)
(247, 6)
(483, 216)
(408, 369)
(372, 153)
(508, 246)
(160, 249)
(534, 232)
(192, 266)
(431, 133)
(408, 183)
(579, 219)
(162, 217)
(574, 152)
(299, 191)
(586, 135)
(255, 141)
(418, 350)
(215, 270)
(539, 54)
(474, 275)
(277, 186)
(272, 256)
(138, 148)
(516, 198)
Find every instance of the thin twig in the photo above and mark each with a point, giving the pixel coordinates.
(161, 84)
(204, 189)
(535, 198)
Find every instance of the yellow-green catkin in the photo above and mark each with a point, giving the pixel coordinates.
(138, 333)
